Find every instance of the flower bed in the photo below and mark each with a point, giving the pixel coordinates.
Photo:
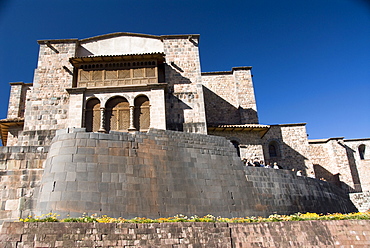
(52, 217)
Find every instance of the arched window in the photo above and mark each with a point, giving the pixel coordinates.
(142, 114)
(92, 115)
(117, 114)
(361, 151)
(236, 145)
(274, 149)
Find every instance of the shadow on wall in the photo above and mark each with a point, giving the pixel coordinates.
(289, 158)
(321, 172)
(219, 111)
(276, 150)
(175, 112)
(353, 168)
(83, 52)
(175, 102)
(173, 76)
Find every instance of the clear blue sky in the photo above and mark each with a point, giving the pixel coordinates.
(310, 58)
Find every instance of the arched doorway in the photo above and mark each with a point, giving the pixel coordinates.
(361, 151)
(117, 114)
(274, 149)
(92, 115)
(142, 114)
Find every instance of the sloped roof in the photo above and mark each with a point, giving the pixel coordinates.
(116, 58)
(262, 129)
(4, 127)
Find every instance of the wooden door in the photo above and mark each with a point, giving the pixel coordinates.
(117, 114)
(92, 115)
(142, 114)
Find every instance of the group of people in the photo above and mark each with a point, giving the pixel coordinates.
(299, 173)
(260, 163)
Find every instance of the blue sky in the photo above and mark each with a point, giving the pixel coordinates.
(310, 59)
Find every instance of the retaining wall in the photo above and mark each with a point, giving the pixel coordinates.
(339, 233)
(154, 174)
(164, 173)
(283, 192)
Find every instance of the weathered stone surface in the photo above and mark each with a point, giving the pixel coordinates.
(338, 160)
(339, 233)
(186, 177)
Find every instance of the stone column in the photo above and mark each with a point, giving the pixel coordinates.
(131, 127)
(102, 120)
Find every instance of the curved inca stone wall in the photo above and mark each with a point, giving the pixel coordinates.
(164, 173)
(282, 191)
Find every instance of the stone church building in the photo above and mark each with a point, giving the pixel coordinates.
(131, 83)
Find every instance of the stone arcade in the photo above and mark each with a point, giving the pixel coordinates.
(127, 125)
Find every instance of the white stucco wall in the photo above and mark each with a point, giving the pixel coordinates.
(119, 46)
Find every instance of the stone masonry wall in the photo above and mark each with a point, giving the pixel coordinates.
(246, 98)
(337, 233)
(361, 200)
(17, 99)
(47, 102)
(182, 55)
(16, 109)
(19, 190)
(35, 138)
(293, 148)
(163, 173)
(14, 132)
(152, 174)
(283, 192)
(22, 157)
(331, 162)
(220, 101)
(359, 166)
(249, 143)
(230, 97)
(185, 103)
(14, 100)
(21, 169)
(155, 174)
